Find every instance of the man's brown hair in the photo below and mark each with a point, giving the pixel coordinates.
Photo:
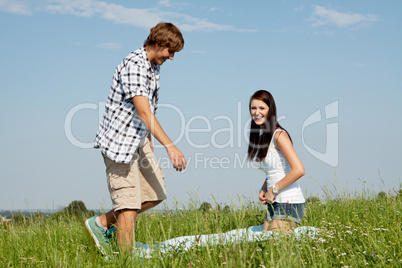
(167, 35)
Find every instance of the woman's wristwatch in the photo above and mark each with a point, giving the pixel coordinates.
(275, 190)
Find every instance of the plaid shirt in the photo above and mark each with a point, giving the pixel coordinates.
(121, 130)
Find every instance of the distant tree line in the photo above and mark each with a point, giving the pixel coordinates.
(74, 209)
(205, 207)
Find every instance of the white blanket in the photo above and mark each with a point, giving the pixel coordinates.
(250, 234)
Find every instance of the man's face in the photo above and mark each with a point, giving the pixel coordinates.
(162, 55)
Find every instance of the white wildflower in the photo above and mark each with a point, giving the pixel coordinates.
(380, 229)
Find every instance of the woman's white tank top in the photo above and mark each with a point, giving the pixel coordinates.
(276, 167)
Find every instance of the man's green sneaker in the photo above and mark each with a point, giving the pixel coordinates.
(101, 238)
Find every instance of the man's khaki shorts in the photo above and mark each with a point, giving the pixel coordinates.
(132, 184)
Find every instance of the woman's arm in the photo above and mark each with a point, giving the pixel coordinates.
(285, 146)
(262, 193)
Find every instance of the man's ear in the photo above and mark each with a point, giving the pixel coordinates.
(157, 48)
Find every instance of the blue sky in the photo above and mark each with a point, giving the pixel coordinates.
(334, 68)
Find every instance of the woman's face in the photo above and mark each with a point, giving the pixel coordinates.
(259, 112)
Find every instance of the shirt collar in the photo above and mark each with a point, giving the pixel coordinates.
(145, 56)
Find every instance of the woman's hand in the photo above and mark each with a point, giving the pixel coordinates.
(261, 196)
(269, 196)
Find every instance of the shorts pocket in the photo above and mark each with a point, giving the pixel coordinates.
(117, 182)
(123, 193)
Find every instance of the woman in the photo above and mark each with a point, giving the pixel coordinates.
(271, 146)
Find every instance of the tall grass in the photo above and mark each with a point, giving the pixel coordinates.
(357, 231)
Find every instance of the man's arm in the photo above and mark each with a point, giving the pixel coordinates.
(141, 104)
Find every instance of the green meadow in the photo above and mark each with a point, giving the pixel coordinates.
(354, 231)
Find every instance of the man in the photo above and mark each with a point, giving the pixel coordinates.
(135, 180)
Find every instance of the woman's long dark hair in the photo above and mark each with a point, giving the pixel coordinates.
(259, 144)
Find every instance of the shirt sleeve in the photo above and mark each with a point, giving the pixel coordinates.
(135, 80)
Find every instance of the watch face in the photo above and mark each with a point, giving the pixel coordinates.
(274, 190)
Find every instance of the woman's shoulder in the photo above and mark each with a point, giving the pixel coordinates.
(280, 134)
(280, 131)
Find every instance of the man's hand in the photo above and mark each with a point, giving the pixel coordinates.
(177, 158)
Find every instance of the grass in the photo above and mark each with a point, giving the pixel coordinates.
(357, 231)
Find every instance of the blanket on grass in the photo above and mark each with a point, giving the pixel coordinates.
(250, 234)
